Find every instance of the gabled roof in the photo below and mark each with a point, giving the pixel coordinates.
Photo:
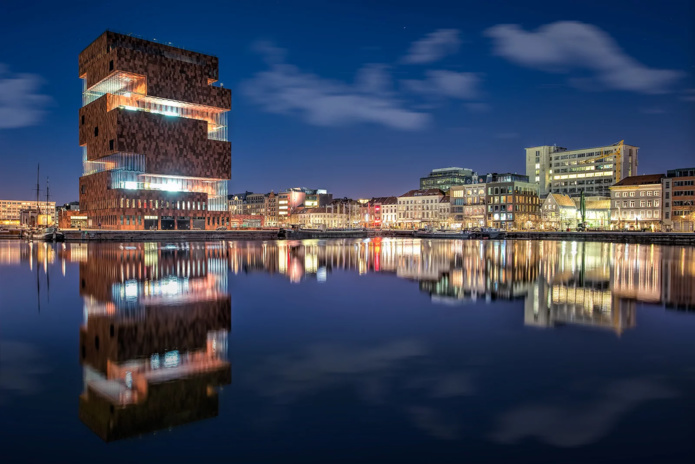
(562, 200)
(445, 199)
(640, 180)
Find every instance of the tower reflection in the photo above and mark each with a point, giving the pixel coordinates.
(154, 341)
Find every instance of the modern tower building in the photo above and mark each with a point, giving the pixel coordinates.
(153, 127)
(592, 170)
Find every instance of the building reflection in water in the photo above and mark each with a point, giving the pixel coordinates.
(590, 284)
(154, 341)
(156, 317)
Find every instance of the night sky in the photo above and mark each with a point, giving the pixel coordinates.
(363, 98)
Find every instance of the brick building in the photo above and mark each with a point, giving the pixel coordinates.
(512, 202)
(153, 128)
(679, 199)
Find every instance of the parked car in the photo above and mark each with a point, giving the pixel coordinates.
(221, 228)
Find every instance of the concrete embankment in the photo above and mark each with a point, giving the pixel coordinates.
(687, 239)
(657, 238)
(167, 235)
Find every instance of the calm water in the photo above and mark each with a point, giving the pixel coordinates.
(347, 351)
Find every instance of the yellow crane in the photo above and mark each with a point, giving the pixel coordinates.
(617, 152)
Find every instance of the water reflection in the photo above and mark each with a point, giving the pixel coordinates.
(153, 344)
(154, 341)
(593, 284)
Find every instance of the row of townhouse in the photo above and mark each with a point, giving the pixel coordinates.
(654, 201)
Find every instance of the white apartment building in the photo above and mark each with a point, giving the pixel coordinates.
(389, 213)
(592, 170)
(419, 208)
(636, 202)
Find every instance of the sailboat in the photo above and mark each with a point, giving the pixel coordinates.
(48, 234)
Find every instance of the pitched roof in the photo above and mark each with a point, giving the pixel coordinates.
(640, 180)
(445, 199)
(383, 201)
(598, 204)
(422, 193)
(563, 200)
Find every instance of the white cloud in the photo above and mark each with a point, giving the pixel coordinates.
(569, 45)
(285, 89)
(433, 47)
(446, 84)
(20, 103)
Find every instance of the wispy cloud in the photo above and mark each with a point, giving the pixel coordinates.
(433, 47)
(688, 95)
(21, 104)
(285, 89)
(446, 84)
(564, 46)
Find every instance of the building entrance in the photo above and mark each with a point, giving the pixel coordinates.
(168, 223)
(183, 223)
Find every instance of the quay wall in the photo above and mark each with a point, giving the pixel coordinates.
(659, 238)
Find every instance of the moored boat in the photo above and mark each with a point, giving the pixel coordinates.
(49, 234)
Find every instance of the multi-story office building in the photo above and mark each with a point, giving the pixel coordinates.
(512, 202)
(679, 199)
(592, 170)
(636, 202)
(154, 132)
(419, 208)
(445, 178)
(10, 211)
(468, 204)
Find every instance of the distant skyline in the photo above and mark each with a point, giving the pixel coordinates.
(364, 98)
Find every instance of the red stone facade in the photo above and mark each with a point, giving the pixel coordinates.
(170, 81)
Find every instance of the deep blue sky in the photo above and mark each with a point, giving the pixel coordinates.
(363, 98)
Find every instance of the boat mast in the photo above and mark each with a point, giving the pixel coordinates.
(38, 208)
(47, 209)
